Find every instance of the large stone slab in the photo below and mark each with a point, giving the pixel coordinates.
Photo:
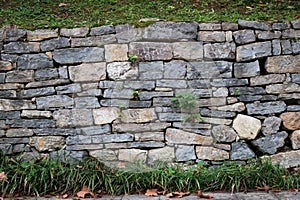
(266, 108)
(151, 50)
(55, 101)
(188, 50)
(8, 105)
(253, 51)
(78, 55)
(165, 154)
(283, 64)
(73, 118)
(209, 69)
(244, 36)
(74, 32)
(34, 61)
(47, 143)
(122, 71)
(287, 159)
(13, 34)
(220, 51)
(177, 136)
(250, 69)
(22, 47)
(116, 52)
(211, 153)
(241, 151)
(267, 79)
(106, 115)
(88, 72)
(132, 155)
(24, 76)
(282, 88)
(246, 127)
(185, 153)
(271, 143)
(254, 25)
(39, 35)
(138, 115)
(55, 43)
(291, 120)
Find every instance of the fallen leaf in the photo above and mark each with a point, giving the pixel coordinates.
(180, 194)
(62, 5)
(265, 188)
(3, 177)
(152, 193)
(248, 7)
(169, 195)
(85, 191)
(205, 196)
(65, 196)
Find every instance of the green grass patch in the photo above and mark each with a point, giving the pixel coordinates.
(37, 14)
(43, 177)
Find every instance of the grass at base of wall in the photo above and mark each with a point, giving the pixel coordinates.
(37, 14)
(46, 177)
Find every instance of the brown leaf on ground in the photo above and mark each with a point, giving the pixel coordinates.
(62, 5)
(152, 193)
(205, 196)
(3, 177)
(85, 192)
(65, 196)
(169, 195)
(180, 194)
(265, 188)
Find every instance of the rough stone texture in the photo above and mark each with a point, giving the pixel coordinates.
(13, 34)
(55, 43)
(295, 139)
(55, 101)
(241, 151)
(132, 155)
(175, 136)
(267, 79)
(211, 36)
(254, 24)
(244, 36)
(6, 66)
(104, 154)
(36, 114)
(19, 76)
(188, 50)
(150, 70)
(73, 118)
(287, 159)
(39, 35)
(106, 115)
(116, 52)
(25, 132)
(92, 41)
(47, 143)
(219, 51)
(74, 32)
(271, 125)
(253, 51)
(121, 71)
(283, 88)
(7, 105)
(209, 69)
(283, 64)
(87, 72)
(165, 154)
(19, 47)
(34, 61)
(211, 153)
(103, 30)
(185, 153)
(291, 120)
(266, 108)
(246, 127)
(138, 115)
(223, 133)
(242, 70)
(271, 143)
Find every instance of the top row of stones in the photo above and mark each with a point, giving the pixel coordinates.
(186, 29)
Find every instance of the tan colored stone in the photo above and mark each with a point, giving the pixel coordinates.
(88, 72)
(211, 153)
(36, 114)
(287, 159)
(295, 139)
(137, 128)
(138, 115)
(11, 86)
(149, 136)
(104, 154)
(39, 35)
(165, 154)
(132, 155)
(177, 136)
(291, 120)
(20, 132)
(188, 50)
(212, 120)
(237, 107)
(106, 115)
(246, 127)
(7, 105)
(282, 88)
(47, 143)
(5, 65)
(73, 118)
(283, 64)
(116, 52)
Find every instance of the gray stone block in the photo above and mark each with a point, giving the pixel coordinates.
(254, 25)
(209, 26)
(74, 32)
(21, 47)
(271, 125)
(8, 105)
(296, 24)
(271, 143)
(223, 133)
(68, 89)
(244, 36)
(93, 41)
(118, 93)
(41, 34)
(6, 148)
(246, 90)
(151, 51)
(24, 76)
(296, 78)
(139, 85)
(211, 36)
(296, 47)
(55, 101)
(86, 102)
(99, 139)
(9, 114)
(56, 43)
(276, 47)
(73, 118)
(55, 131)
(252, 98)
(286, 47)
(68, 156)
(283, 64)
(245, 70)
(31, 123)
(266, 108)
(139, 104)
(220, 51)
(2, 77)
(148, 144)
(293, 108)
(217, 113)
(209, 69)
(280, 26)
(46, 74)
(14, 34)
(37, 92)
(199, 84)
(176, 69)
(122, 71)
(267, 79)
(34, 61)
(268, 35)
(188, 50)
(229, 82)
(253, 51)
(171, 83)
(96, 130)
(227, 26)
(151, 70)
(185, 153)
(19, 132)
(150, 95)
(8, 94)
(241, 151)
(103, 30)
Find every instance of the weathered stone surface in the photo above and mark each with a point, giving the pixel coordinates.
(171, 84)
(283, 88)
(151, 50)
(241, 151)
(129, 34)
(104, 154)
(296, 24)
(229, 26)
(287, 159)
(116, 52)
(290, 33)
(13, 34)
(24, 132)
(280, 26)
(293, 108)
(106, 115)
(188, 50)
(21, 47)
(220, 51)
(151, 70)
(138, 115)
(176, 69)
(74, 32)
(7, 94)
(99, 139)
(55, 101)
(211, 36)
(228, 82)
(137, 85)
(36, 114)
(266, 108)
(92, 41)
(72, 157)
(31, 123)
(177, 136)
(276, 47)
(244, 36)
(291, 120)
(122, 71)
(237, 107)
(185, 153)
(268, 35)
(212, 102)
(211, 153)
(246, 127)
(283, 64)
(271, 143)
(147, 144)
(9, 114)
(209, 26)
(78, 55)
(24, 76)
(223, 133)
(149, 136)
(103, 30)
(6, 65)
(47, 143)
(296, 47)
(295, 139)
(34, 61)
(132, 155)
(7, 105)
(39, 35)
(267, 79)
(37, 92)
(250, 69)
(55, 131)
(87, 72)
(55, 43)
(118, 93)
(254, 25)
(46, 74)
(271, 125)
(68, 89)
(171, 31)
(138, 128)
(220, 92)
(2, 77)
(73, 118)
(209, 69)
(286, 47)
(95, 130)
(165, 154)
(253, 51)
(86, 102)
(216, 113)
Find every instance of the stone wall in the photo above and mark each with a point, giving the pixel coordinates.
(108, 92)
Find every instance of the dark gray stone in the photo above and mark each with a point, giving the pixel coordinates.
(63, 72)
(241, 151)
(2, 77)
(21, 47)
(68, 89)
(296, 78)
(162, 102)
(151, 70)
(68, 156)
(220, 51)
(266, 108)
(148, 144)
(93, 41)
(171, 117)
(253, 51)
(209, 69)
(34, 61)
(23, 140)
(55, 131)
(103, 30)
(293, 108)
(246, 90)
(176, 69)
(296, 47)
(6, 148)
(223, 133)
(271, 143)
(199, 84)
(271, 125)
(185, 153)
(296, 24)
(86, 102)
(8, 94)
(280, 26)
(276, 47)
(74, 32)
(37, 92)
(31, 123)
(254, 25)
(171, 83)
(286, 47)
(229, 82)
(245, 70)
(138, 85)
(268, 35)
(9, 114)
(55, 43)
(9, 57)
(118, 93)
(244, 36)
(217, 113)
(228, 26)
(78, 55)
(13, 34)
(55, 101)
(96, 130)
(251, 98)
(24, 76)
(19, 148)
(171, 31)
(46, 74)
(139, 104)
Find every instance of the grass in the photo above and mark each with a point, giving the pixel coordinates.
(37, 14)
(46, 177)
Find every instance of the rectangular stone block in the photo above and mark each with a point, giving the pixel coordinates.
(22, 47)
(86, 102)
(34, 61)
(93, 41)
(209, 69)
(266, 108)
(220, 51)
(39, 35)
(8, 94)
(136, 85)
(68, 89)
(138, 128)
(103, 30)
(246, 90)
(73, 118)
(9, 114)
(229, 82)
(46, 74)
(149, 95)
(150, 51)
(24, 76)
(106, 115)
(95, 130)
(177, 136)
(150, 70)
(188, 50)
(171, 83)
(87, 72)
(74, 32)
(149, 136)
(138, 115)
(56, 131)
(46, 83)
(253, 51)
(31, 123)
(245, 70)
(211, 36)
(267, 79)
(132, 155)
(116, 52)
(20, 132)
(37, 92)
(56, 43)
(8, 105)
(36, 114)
(118, 93)
(283, 64)
(122, 71)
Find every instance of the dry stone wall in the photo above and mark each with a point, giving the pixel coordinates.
(112, 92)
